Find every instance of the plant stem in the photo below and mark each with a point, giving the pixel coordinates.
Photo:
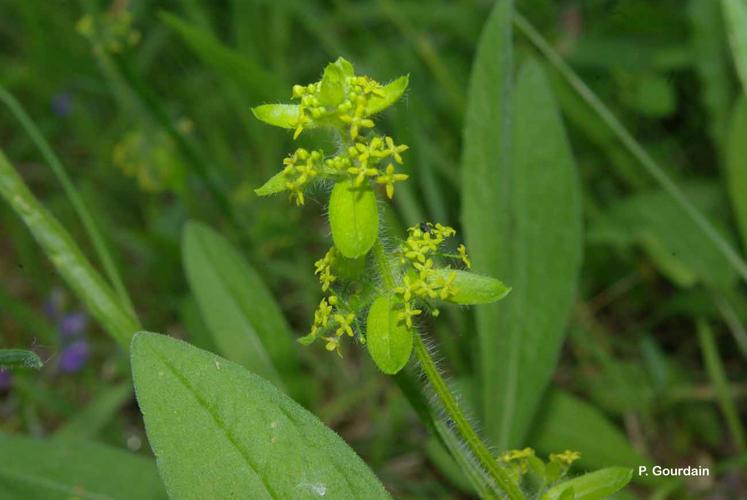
(455, 413)
(449, 402)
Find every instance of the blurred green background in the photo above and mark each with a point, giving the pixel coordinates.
(147, 103)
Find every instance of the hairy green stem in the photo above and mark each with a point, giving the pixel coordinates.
(449, 402)
(635, 149)
(84, 215)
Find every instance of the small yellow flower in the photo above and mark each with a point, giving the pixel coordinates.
(389, 179)
(393, 150)
(333, 344)
(565, 458)
(463, 255)
(408, 313)
(344, 324)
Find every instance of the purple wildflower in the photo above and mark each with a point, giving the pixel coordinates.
(74, 357)
(73, 324)
(62, 104)
(6, 381)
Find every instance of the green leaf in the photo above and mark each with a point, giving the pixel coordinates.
(228, 63)
(353, 218)
(392, 92)
(67, 258)
(246, 322)
(735, 15)
(279, 115)
(594, 485)
(389, 340)
(275, 184)
(736, 166)
(473, 288)
(61, 470)
(566, 422)
(522, 219)
(332, 90)
(216, 427)
(19, 358)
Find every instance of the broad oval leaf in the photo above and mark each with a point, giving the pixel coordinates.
(246, 322)
(279, 115)
(275, 184)
(473, 288)
(592, 486)
(389, 340)
(67, 257)
(353, 218)
(216, 427)
(19, 358)
(522, 219)
(392, 92)
(61, 470)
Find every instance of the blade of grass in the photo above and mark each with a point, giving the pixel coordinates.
(651, 166)
(66, 256)
(717, 375)
(735, 15)
(102, 252)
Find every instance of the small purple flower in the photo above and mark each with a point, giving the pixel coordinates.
(74, 357)
(6, 381)
(62, 104)
(73, 324)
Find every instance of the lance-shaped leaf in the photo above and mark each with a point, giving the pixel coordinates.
(592, 486)
(389, 340)
(353, 218)
(392, 92)
(246, 322)
(275, 184)
(522, 218)
(473, 288)
(219, 429)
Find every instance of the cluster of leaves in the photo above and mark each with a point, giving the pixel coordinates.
(344, 103)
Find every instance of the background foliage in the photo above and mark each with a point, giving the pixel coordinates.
(150, 116)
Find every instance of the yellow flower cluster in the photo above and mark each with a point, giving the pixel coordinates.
(330, 315)
(299, 169)
(351, 110)
(421, 280)
(323, 269)
(518, 457)
(111, 31)
(566, 458)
